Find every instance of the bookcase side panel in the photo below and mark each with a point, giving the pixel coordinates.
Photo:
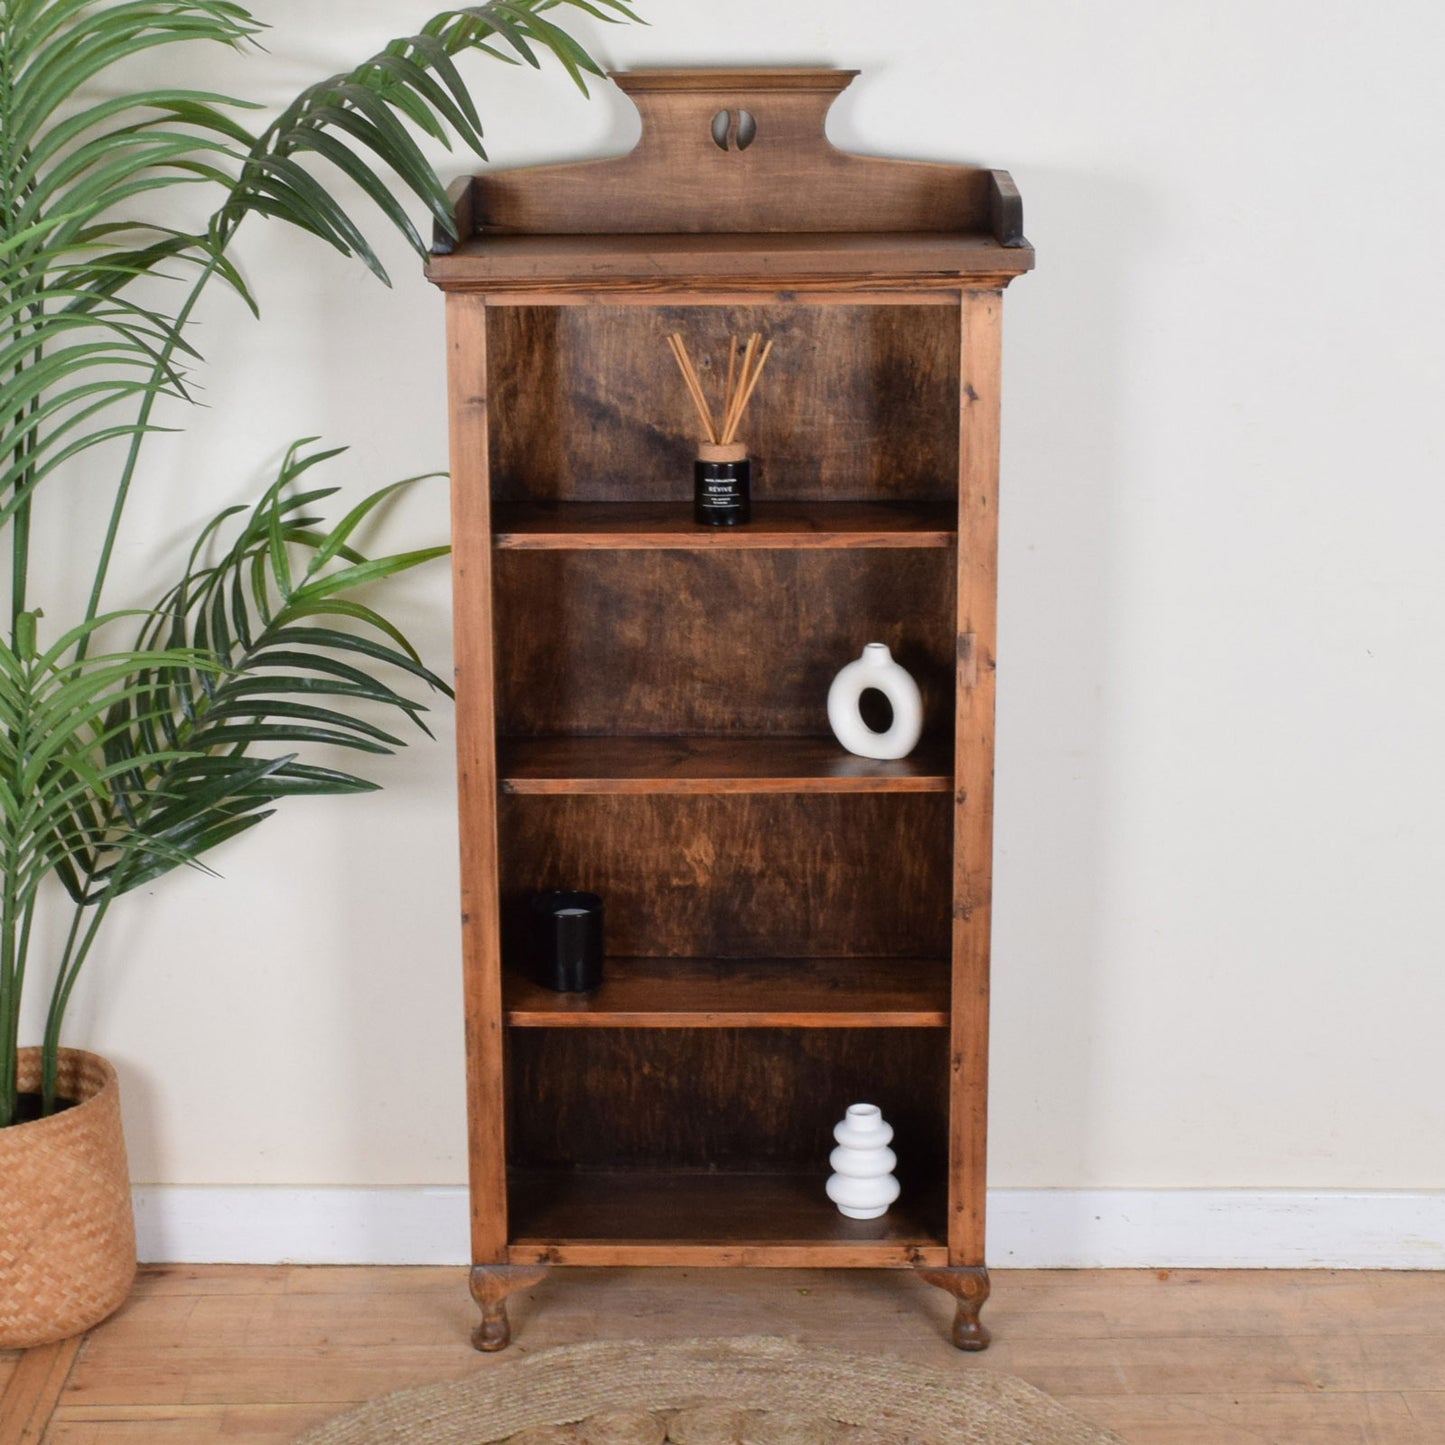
(477, 774)
(973, 762)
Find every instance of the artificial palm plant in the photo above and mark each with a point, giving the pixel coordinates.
(133, 742)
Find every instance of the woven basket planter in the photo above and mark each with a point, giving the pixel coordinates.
(67, 1234)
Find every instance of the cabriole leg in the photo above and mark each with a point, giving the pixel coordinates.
(969, 1286)
(490, 1286)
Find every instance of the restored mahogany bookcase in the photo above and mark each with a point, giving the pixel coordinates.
(641, 701)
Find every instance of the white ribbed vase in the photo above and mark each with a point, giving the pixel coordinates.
(862, 1184)
(875, 669)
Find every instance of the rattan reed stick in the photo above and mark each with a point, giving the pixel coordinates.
(744, 372)
(745, 392)
(734, 412)
(694, 386)
(732, 375)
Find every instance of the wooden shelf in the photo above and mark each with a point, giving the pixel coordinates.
(713, 765)
(640, 1217)
(775, 526)
(655, 262)
(701, 993)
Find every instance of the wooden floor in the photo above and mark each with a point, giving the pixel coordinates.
(240, 1354)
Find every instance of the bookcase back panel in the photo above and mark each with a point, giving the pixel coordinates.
(663, 643)
(744, 1099)
(740, 875)
(856, 403)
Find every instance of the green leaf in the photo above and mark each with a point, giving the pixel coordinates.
(118, 767)
(353, 166)
(346, 578)
(230, 736)
(273, 708)
(25, 628)
(404, 656)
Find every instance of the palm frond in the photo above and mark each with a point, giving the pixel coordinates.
(72, 348)
(118, 767)
(230, 736)
(55, 777)
(58, 48)
(358, 120)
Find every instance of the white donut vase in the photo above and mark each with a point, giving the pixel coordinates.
(875, 669)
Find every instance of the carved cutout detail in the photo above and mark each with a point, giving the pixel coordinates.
(673, 182)
(734, 130)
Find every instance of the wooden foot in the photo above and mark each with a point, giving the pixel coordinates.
(969, 1286)
(490, 1286)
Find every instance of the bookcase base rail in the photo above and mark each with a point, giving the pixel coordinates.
(493, 1284)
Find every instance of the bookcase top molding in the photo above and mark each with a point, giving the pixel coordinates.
(734, 181)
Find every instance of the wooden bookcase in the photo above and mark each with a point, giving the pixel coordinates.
(790, 929)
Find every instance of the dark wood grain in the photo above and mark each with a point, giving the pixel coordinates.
(716, 765)
(711, 993)
(711, 1218)
(590, 526)
(728, 1099)
(859, 403)
(693, 643)
(743, 875)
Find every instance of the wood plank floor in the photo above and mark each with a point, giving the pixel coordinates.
(247, 1355)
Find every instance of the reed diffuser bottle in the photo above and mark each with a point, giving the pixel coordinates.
(722, 485)
(722, 473)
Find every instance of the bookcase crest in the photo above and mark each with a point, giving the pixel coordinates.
(738, 151)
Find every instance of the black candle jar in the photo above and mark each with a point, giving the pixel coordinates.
(722, 480)
(566, 941)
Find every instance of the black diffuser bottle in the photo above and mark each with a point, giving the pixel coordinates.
(566, 942)
(722, 485)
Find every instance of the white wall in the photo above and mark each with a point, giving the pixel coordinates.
(1219, 937)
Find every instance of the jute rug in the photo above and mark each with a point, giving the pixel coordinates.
(756, 1390)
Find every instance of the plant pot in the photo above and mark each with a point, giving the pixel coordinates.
(67, 1233)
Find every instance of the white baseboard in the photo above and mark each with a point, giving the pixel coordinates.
(1028, 1228)
(1216, 1229)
